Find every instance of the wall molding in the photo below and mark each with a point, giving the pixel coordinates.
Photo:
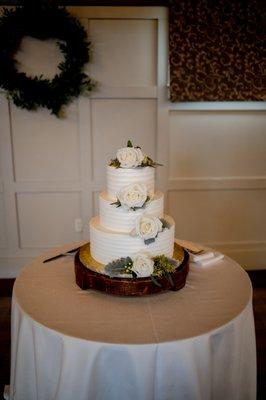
(137, 92)
(257, 277)
(218, 106)
(46, 186)
(218, 183)
(6, 287)
(102, 3)
(117, 12)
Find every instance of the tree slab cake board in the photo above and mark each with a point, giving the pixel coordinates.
(89, 275)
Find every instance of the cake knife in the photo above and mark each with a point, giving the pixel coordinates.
(190, 246)
(61, 255)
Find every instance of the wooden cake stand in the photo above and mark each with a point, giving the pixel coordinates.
(89, 275)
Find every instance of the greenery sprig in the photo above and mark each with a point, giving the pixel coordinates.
(44, 21)
(163, 267)
(114, 163)
(148, 162)
(165, 223)
(118, 267)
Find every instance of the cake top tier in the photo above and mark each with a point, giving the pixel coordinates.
(131, 166)
(120, 178)
(131, 157)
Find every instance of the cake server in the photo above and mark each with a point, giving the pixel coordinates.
(190, 246)
(61, 255)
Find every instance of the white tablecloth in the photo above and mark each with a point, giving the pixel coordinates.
(194, 344)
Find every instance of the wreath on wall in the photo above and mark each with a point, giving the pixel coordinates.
(44, 22)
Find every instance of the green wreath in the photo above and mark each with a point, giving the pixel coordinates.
(44, 22)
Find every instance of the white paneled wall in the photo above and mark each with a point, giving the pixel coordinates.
(123, 118)
(217, 144)
(124, 52)
(217, 177)
(220, 216)
(52, 215)
(51, 170)
(45, 148)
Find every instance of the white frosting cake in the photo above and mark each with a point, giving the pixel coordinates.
(107, 245)
(117, 178)
(120, 220)
(131, 217)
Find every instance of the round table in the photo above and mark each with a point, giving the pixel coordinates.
(197, 343)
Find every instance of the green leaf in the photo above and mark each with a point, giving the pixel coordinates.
(119, 266)
(149, 241)
(114, 163)
(116, 203)
(134, 274)
(129, 143)
(148, 162)
(165, 223)
(154, 280)
(169, 277)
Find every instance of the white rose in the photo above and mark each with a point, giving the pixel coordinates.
(129, 157)
(142, 265)
(133, 195)
(148, 227)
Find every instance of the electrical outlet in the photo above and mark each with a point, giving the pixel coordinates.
(78, 225)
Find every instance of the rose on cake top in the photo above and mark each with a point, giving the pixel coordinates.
(132, 157)
(132, 197)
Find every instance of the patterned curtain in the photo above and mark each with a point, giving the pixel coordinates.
(217, 50)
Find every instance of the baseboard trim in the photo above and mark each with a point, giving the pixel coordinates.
(258, 278)
(6, 287)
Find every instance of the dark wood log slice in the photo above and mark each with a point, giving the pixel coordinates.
(89, 279)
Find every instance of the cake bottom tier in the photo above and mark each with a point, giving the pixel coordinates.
(107, 245)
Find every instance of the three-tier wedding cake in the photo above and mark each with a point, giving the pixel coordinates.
(131, 221)
(131, 245)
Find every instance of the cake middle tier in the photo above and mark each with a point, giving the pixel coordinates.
(107, 245)
(121, 220)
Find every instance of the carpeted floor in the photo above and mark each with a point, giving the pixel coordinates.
(259, 304)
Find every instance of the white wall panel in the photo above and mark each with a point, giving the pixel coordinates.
(45, 148)
(124, 52)
(213, 143)
(46, 64)
(47, 219)
(220, 215)
(116, 121)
